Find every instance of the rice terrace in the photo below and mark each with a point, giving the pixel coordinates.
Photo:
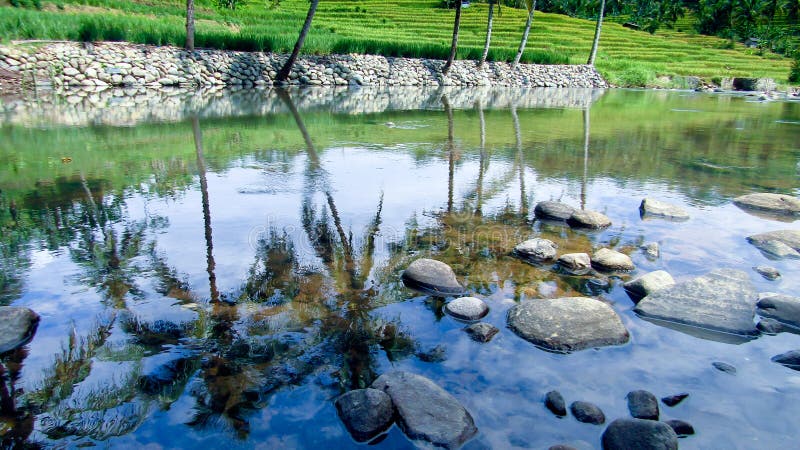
(460, 224)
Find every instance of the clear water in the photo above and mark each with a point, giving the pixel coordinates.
(254, 243)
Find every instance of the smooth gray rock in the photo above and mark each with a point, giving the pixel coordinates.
(651, 207)
(776, 242)
(639, 434)
(588, 219)
(649, 283)
(575, 261)
(567, 324)
(17, 327)
(770, 326)
(365, 413)
(770, 203)
(426, 411)
(724, 367)
(722, 300)
(587, 413)
(537, 249)
(789, 359)
(680, 427)
(432, 277)
(643, 405)
(482, 331)
(467, 308)
(673, 400)
(652, 250)
(769, 273)
(783, 308)
(554, 401)
(611, 260)
(553, 210)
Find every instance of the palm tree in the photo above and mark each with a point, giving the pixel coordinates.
(597, 28)
(531, 6)
(488, 34)
(283, 75)
(454, 44)
(190, 25)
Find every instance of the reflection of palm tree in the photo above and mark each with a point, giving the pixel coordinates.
(586, 128)
(523, 197)
(201, 168)
(450, 152)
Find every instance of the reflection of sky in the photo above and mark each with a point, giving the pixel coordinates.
(502, 382)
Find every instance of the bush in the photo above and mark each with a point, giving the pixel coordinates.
(794, 72)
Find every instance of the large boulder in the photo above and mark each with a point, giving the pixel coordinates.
(467, 308)
(588, 219)
(722, 300)
(649, 283)
(432, 277)
(553, 211)
(537, 250)
(567, 324)
(781, 243)
(639, 434)
(783, 308)
(365, 413)
(425, 411)
(612, 260)
(771, 204)
(17, 327)
(651, 207)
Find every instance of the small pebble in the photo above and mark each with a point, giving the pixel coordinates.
(724, 367)
(769, 273)
(587, 413)
(481, 331)
(673, 400)
(681, 427)
(555, 403)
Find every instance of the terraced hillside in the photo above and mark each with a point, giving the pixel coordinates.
(394, 28)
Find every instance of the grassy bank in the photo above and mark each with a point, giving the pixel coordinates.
(414, 28)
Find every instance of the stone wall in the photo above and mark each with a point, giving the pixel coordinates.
(110, 64)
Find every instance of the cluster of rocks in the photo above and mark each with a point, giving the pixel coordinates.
(424, 411)
(122, 64)
(642, 430)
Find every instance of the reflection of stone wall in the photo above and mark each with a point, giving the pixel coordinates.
(129, 65)
(131, 106)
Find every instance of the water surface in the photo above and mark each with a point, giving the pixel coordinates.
(252, 244)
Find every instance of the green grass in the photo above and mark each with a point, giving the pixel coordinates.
(415, 28)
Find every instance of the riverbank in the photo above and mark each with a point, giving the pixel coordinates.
(115, 64)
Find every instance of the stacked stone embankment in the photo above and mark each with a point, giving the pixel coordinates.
(111, 64)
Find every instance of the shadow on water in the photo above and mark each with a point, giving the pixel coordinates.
(322, 303)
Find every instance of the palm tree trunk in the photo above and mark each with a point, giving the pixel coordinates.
(454, 44)
(283, 75)
(190, 25)
(597, 28)
(524, 41)
(488, 34)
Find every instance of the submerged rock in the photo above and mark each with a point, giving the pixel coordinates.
(789, 359)
(554, 401)
(435, 354)
(780, 244)
(166, 375)
(537, 249)
(467, 308)
(587, 413)
(680, 427)
(722, 300)
(432, 277)
(649, 283)
(553, 210)
(481, 331)
(643, 405)
(769, 273)
(426, 411)
(778, 204)
(783, 308)
(611, 260)
(567, 324)
(17, 327)
(652, 250)
(639, 434)
(770, 326)
(673, 400)
(724, 367)
(575, 261)
(588, 219)
(651, 207)
(365, 413)
(561, 447)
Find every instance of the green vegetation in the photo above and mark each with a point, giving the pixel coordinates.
(399, 27)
